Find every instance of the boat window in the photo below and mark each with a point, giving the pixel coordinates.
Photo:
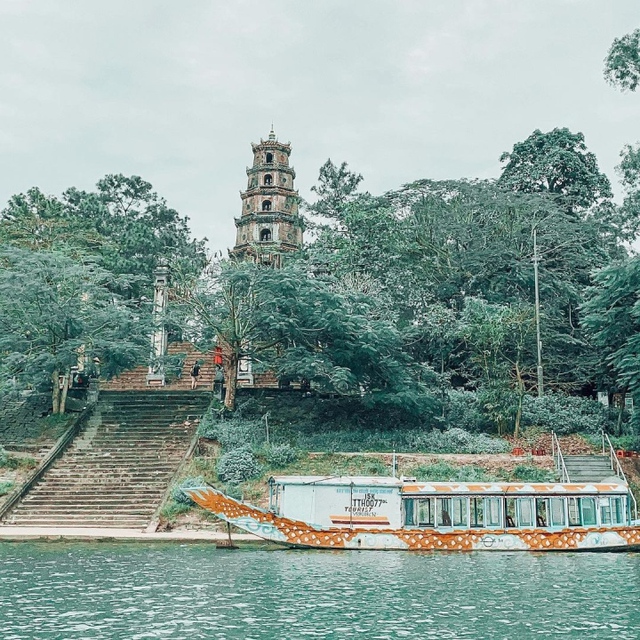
(542, 519)
(556, 512)
(409, 513)
(443, 512)
(588, 510)
(425, 512)
(510, 512)
(459, 512)
(605, 510)
(492, 512)
(617, 511)
(477, 512)
(525, 512)
(574, 513)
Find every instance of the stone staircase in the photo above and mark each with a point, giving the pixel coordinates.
(589, 468)
(116, 471)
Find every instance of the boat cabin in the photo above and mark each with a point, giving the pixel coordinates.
(345, 501)
(514, 505)
(393, 503)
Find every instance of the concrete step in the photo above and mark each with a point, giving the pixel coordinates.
(85, 510)
(113, 523)
(116, 472)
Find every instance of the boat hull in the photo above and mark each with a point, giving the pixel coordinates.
(295, 533)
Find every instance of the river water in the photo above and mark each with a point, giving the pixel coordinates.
(135, 591)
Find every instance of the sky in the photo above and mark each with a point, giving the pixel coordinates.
(400, 89)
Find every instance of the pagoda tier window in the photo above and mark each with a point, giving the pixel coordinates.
(265, 235)
(269, 158)
(268, 180)
(266, 205)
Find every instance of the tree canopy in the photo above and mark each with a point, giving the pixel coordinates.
(558, 163)
(622, 64)
(57, 312)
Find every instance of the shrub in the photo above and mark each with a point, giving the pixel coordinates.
(280, 455)
(458, 441)
(564, 414)
(376, 467)
(5, 487)
(172, 509)
(238, 465)
(529, 473)
(180, 496)
(629, 443)
(444, 472)
(234, 432)
(4, 457)
(464, 411)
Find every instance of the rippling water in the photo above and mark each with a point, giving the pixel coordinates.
(136, 591)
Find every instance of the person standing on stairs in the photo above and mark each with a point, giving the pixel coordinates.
(195, 372)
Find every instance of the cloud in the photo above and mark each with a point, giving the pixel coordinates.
(175, 92)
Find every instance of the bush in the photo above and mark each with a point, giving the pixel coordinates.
(4, 457)
(280, 455)
(529, 473)
(180, 496)
(233, 433)
(564, 414)
(172, 509)
(464, 411)
(5, 487)
(458, 441)
(445, 472)
(238, 465)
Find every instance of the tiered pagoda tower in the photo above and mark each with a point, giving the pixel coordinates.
(270, 224)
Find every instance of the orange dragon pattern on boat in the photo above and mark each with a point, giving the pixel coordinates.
(296, 533)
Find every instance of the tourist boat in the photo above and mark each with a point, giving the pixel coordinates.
(399, 513)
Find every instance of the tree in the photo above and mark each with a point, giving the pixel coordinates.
(304, 327)
(500, 338)
(622, 64)
(38, 222)
(336, 187)
(54, 311)
(138, 229)
(629, 172)
(431, 245)
(612, 317)
(558, 163)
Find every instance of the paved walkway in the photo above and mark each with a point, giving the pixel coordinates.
(17, 534)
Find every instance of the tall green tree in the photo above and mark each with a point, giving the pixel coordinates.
(138, 228)
(629, 172)
(612, 317)
(40, 222)
(622, 64)
(54, 311)
(500, 339)
(558, 163)
(303, 326)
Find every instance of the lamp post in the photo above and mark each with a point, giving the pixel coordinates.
(537, 307)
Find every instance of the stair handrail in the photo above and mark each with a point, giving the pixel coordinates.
(617, 467)
(558, 458)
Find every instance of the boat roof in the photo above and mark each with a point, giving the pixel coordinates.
(412, 487)
(513, 488)
(356, 481)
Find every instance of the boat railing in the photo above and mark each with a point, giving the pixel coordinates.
(558, 458)
(616, 467)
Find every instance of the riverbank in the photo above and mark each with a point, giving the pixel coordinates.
(86, 534)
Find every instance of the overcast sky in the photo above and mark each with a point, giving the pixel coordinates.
(400, 89)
